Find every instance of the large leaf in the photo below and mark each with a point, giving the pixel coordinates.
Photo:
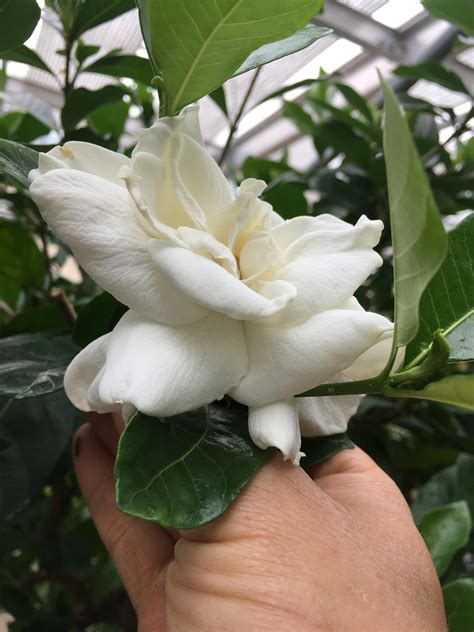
(95, 12)
(461, 12)
(33, 435)
(418, 237)
(24, 55)
(17, 160)
(21, 263)
(33, 364)
(97, 318)
(431, 71)
(82, 102)
(445, 530)
(457, 390)
(136, 68)
(459, 603)
(276, 50)
(18, 19)
(196, 47)
(448, 301)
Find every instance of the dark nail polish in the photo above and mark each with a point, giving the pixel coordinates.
(77, 447)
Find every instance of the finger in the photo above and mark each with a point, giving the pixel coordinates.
(349, 461)
(105, 428)
(140, 550)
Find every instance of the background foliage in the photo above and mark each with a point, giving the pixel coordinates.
(54, 571)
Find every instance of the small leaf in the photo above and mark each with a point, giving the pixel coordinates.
(431, 71)
(192, 466)
(448, 301)
(82, 102)
(321, 448)
(419, 240)
(33, 364)
(459, 603)
(18, 19)
(445, 530)
(458, 11)
(95, 12)
(218, 96)
(276, 50)
(17, 161)
(24, 55)
(457, 390)
(136, 68)
(356, 100)
(97, 318)
(195, 49)
(83, 51)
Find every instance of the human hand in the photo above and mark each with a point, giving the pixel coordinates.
(333, 550)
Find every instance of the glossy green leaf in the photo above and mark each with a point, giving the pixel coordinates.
(218, 96)
(448, 301)
(97, 318)
(109, 120)
(418, 237)
(136, 68)
(33, 364)
(276, 50)
(445, 530)
(21, 263)
(192, 466)
(452, 484)
(17, 161)
(457, 390)
(82, 102)
(24, 55)
(34, 434)
(459, 604)
(95, 12)
(321, 448)
(195, 48)
(431, 71)
(461, 12)
(18, 19)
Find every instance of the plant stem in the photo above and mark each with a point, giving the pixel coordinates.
(359, 387)
(235, 123)
(67, 77)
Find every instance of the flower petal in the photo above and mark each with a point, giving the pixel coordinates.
(373, 361)
(276, 425)
(285, 361)
(84, 157)
(97, 219)
(209, 284)
(164, 370)
(321, 416)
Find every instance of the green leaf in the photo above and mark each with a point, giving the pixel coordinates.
(136, 68)
(34, 434)
(32, 104)
(218, 96)
(446, 530)
(21, 263)
(18, 19)
(452, 484)
(418, 237)
(82, 102)
(431, 71)
(109, 120)
(17, 161)
(192, 466)
(457, 390)
(33, 364)
(276, 50)
(83, 51)
(302, 119)
(461, 12)
(321, 448)
(448, 301)
(195, 48)
(356, 100)
(95, 12)
(48, 317)
(97, 318)
(24, 55)
(459, 603)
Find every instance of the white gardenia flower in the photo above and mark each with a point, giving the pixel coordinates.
(225, 297)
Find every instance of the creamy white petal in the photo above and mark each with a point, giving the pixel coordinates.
(277, 425)
(153, 139)
(84, 157)
(285, 361)
(373, 361)
(164, 370)
(97, 219)
(209, 284)
(321, 416)
(80, 379)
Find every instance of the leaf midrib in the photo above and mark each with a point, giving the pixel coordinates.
(197, 59)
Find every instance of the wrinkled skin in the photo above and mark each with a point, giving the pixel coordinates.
(336, 550)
